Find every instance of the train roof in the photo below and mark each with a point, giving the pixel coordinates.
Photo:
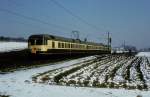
(58, 38)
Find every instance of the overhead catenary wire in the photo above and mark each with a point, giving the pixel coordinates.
(74, 15)
(33, 19)
(48, 16)
(31, 25)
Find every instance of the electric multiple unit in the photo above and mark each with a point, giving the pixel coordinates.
(50, 44)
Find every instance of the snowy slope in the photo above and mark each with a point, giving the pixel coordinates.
(19, 84)
(12, 46)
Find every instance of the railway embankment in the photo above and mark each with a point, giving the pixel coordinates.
(15, 60)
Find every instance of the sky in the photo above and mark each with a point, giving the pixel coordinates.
(126, 20)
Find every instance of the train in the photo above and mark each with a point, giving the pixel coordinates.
(51, 44)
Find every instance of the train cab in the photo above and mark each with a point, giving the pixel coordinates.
(37, 43)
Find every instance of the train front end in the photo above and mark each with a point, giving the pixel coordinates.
(37, 44)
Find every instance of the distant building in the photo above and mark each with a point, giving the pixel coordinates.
(123, 49)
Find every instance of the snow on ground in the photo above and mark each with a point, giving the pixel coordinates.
(19, 84)
(145, 69)
(12, 46)
(146, 54)
(121, 71)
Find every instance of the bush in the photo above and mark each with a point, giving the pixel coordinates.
(111, 85)
(71, 82)
(139, 96)
(4, 96)
(95, 82)
(86, 82)
(103, 85)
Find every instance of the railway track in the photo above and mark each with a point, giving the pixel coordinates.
(10, 61)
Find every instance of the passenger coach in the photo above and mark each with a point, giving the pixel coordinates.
(50, 44)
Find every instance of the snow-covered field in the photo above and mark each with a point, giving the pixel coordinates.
(114, 71)
(146, 54)
(12, 46)
(20, 84)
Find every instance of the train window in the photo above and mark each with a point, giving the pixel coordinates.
(62, 45)
(39, 42)
(71, 45)
(66, 45)
(32, 41)
(53, 44)
(59, 45)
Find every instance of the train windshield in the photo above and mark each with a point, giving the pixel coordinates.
(36, 41)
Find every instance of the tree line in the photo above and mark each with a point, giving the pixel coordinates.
(16, 39)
